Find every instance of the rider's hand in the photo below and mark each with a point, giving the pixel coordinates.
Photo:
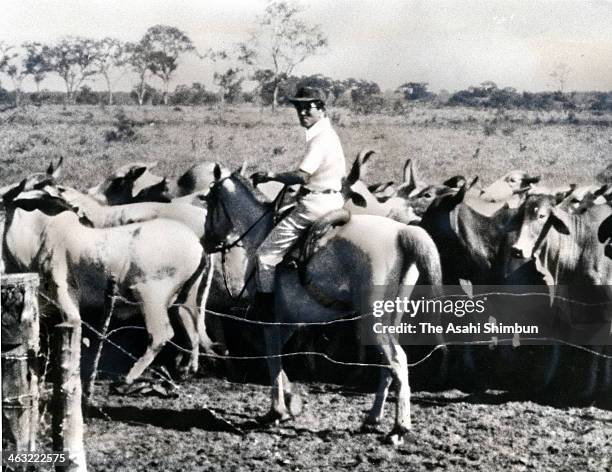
(260, 178)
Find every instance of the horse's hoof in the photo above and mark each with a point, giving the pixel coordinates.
(396, 437)
(371, 420)
(295, 404)
(273, 417)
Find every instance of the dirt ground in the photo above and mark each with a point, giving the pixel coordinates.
(210, 426)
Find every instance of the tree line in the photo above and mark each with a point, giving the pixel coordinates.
(280, 42)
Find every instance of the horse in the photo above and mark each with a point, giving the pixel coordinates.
(366, 252)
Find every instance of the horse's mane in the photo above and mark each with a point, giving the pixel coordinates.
(246, 182)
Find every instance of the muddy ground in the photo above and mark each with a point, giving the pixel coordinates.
(209, 426)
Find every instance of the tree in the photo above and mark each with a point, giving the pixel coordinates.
(137, 55)
(11, 66)
(110, 57)
(36, 63)
(74, 60)
(559, 74)
(414, 91)
(230, 84)
(281, 42)
(164, 44)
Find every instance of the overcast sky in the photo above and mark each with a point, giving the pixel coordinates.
(449, 44)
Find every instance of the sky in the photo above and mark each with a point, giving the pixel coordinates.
(448, 44)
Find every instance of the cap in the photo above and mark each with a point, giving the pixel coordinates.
(308, 94)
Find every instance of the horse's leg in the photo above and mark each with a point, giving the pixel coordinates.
(399, 370)
(292, 399)
(275, 339)
(376, 412)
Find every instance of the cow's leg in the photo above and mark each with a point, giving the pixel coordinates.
(187, 318)
(376, 412)
(154, 301)
(399, 370)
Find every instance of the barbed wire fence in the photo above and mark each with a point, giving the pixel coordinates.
(104, 338)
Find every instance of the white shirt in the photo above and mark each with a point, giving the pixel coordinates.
(324, 159)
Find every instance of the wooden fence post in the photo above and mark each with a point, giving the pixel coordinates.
(67, 425)
(20, 349)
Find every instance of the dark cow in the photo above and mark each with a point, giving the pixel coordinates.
(567, 250)
(469, 242)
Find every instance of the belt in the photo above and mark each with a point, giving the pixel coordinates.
(305, 191)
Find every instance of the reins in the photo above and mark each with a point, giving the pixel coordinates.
(225, 247)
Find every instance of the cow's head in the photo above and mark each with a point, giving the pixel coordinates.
(127, 182)
(421, 200)
(354, 175)
(536, 218)
(33, 181)
(198, 177)
(580, 199)
(514, 182)
(32, 193)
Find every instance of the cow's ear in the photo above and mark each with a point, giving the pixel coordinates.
(136, 172)
(55, 171)
(409, 176)
(243, 169)
(11, 192)
(472, 183)
(357, 199)
(217, 171)
(560, 220)
(563, 194)
(605, 230)
(459, 196)
(531, 179)
(456, 181)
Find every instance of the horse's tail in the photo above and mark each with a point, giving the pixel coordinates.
(418, 248)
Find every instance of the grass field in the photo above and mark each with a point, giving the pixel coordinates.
(452, 430)
(561, 147)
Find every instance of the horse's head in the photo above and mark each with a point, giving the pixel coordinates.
(230, 198)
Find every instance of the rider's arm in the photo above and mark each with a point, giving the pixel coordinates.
(290, 178)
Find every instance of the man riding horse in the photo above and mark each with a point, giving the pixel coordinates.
(320, 175)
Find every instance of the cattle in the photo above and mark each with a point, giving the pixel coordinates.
(567, 251)
(102, 216)
(359, 200)
(512, 183)
(155, 263)
(581, 198)
(470, 243)
(198, 177)
(132, 183)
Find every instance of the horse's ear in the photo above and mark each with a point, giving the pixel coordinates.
(55, 171)
(243, 169)
(217, 171)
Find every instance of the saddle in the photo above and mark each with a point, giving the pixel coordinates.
(313, 240)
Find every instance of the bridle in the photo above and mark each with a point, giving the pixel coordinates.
(223, 246)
